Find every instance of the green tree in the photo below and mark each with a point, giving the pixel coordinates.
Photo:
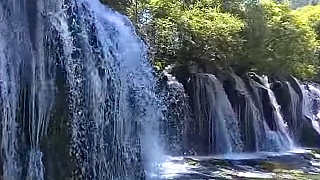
(262, 36)
(311, 16)
(192, 31)
(278, 42)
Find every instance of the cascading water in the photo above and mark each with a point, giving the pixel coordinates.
(267, 139)
(249, 104)
(261, 128)
(75, 77)
(294, 107)
(311, 104)
(281, 127)
(177, 112)
(27, 87)
(215, 117)
(258, 127)
(116, 89)
(254, 129)
(113, 108)
(8, 104)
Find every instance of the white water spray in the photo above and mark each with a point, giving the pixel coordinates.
(284, 136)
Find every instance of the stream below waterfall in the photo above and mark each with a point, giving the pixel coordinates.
(299, 164)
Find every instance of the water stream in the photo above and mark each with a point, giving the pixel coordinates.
(79, 99)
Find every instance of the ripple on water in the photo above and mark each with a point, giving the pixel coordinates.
(295, 164)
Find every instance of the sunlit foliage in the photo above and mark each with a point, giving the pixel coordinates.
(262, 36)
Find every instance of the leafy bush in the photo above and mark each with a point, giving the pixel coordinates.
(262, 36)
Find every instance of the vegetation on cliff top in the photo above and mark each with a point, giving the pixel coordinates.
(261, 36)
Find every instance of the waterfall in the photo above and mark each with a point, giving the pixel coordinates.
(252, 122)
(113, 101)
(267, 140)
(255, 113)
(79, 100)
(295, 110)
(281, 125)
(311, 104)
(27, 86)
(215, 116)
(177, 112)
(244, 115)
(113, 109)
(8, 104)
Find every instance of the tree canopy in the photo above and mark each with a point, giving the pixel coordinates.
(264, 36)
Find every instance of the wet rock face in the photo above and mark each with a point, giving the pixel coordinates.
(290, 98)
(215, 122)
(267, 109)
(198, 134)
(315, 106)
(32, 12)
(283, 98)
(55, 146)
(55, 88)
(309, 137)
(177, 113)
(288, 95)
(239, 102)
(261, 98)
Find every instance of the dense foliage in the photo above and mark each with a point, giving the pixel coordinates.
(278, 41)
(262, 36)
